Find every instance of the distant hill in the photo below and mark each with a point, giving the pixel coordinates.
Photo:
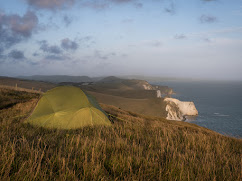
(110, 79)
(58, 78)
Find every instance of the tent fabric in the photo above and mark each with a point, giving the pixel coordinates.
(67, 107)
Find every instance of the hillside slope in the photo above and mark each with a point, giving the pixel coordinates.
(28, 84)
(135, 147)
(150, 106)
(129, 94)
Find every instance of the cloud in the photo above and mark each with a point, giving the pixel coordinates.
(56, 57)
(53, 49)
(67, 20)
(14, 28)
(22, 26)
(128, 20)
(2, 57)
(180, 37)
(170, 8)
(138, 5)
(16, 54)
(156, 44)
(1, 50)
(121, 1)
(56, 52)
(99, 55)
(35, 54)
(208, 40)
(208, 19)
(50, 4)
(97, 5)
(85, 42)
(67, 44)
(85, 38)
(104, 4)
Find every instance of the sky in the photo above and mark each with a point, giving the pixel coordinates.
(163, 38)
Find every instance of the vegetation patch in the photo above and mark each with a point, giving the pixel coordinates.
(10, 97)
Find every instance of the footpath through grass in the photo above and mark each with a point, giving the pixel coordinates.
(133, 148)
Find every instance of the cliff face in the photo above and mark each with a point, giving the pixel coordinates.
(161, 91)
(177, 110)
(147, 86)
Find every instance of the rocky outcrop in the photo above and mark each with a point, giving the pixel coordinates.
(177, 110)
(158, 94)
(147, 86)
(161, 91)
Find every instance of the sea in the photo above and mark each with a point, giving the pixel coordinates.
(219, 103)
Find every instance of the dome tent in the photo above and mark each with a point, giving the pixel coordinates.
(67, 107)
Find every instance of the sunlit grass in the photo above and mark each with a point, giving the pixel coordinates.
(135, 147)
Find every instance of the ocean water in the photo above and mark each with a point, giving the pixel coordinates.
(219, 104)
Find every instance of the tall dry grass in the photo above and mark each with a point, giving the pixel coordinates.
(135, 147)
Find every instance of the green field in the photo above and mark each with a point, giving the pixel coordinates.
(135, 147)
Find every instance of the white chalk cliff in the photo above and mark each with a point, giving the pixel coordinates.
(158, 93)
(177, 110)
(147, 86)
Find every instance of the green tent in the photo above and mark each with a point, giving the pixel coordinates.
(67, 107)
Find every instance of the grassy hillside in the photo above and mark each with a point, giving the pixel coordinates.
(133, 148)
(10, 97)
(149, 106)
(126, 94)
(28, 84)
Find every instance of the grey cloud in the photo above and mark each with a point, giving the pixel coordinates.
(208, 40)
(1, 50)
(8, 39)
(86, 38)
(16, 54)
(55, 52)
(14, 28)
(45, 47)
(98, 54)
(97, 5)
(67, 20)
(156, 44)
(56, 57)
(101, 5)
(51, 4)
(170, 8)
(138, 5)
(103, 65)
(22, 25)
(67, 44)
(86, 41)
(33, 63)
(208, 19)
(122, 1)
(179, 37)
(94, 4)
(135, 3)
(2, 57)
(35, 54)
(127, 20)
